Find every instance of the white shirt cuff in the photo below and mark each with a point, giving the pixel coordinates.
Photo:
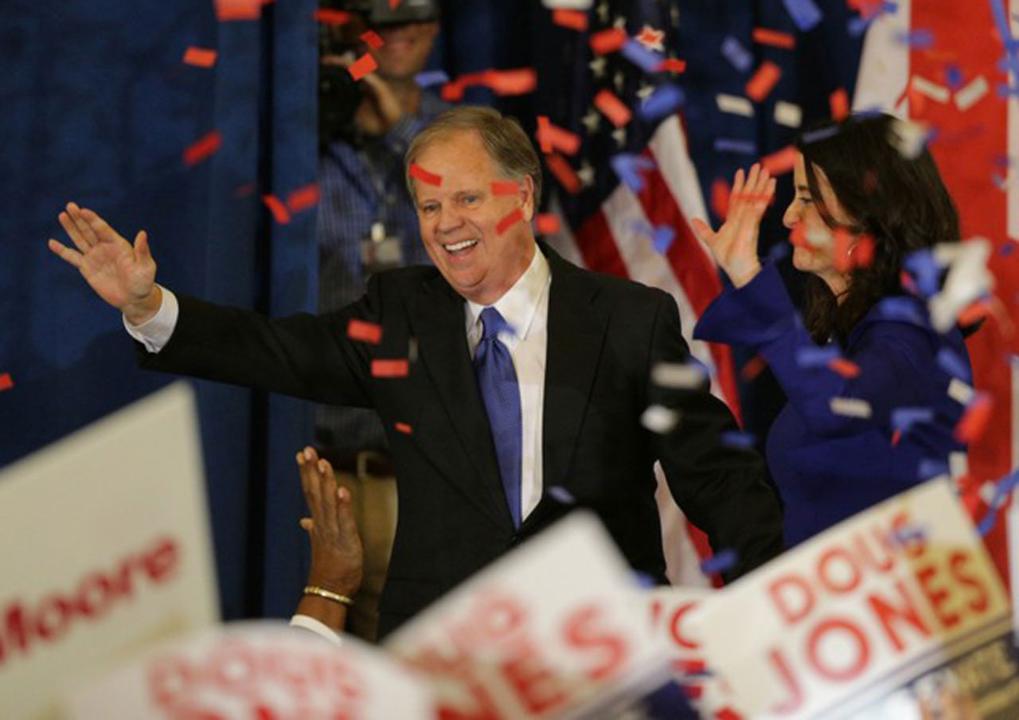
(319, 628)
(155, 332)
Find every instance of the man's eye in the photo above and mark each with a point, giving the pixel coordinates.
(429, 209)
(470, 199)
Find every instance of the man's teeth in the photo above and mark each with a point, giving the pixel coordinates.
(456, 247)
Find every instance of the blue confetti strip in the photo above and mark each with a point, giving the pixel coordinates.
(954, 77)
(778, 251)
(644, 580)
(719, 562)
(925, 270)
(561, 495)
(819, 135)
(900, 308)
(662, 238)
(1007, 249)
(858, 25)
(743, 147)
(930, 468)
(428, 78)
(954, 365)
(1003, 488)
(736, 439)
(905, 417)
(1001, 22)
(628, 167)
(810, 357)
(736, 54)
(1008, 90)
(664, 101)
(647, 60)
(804, 13)
(910, 534)
(920, 39)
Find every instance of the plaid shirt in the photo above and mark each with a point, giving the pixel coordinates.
(362, 183)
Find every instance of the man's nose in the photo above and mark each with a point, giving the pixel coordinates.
(449, 219)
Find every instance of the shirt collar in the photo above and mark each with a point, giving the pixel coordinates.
(519, 303)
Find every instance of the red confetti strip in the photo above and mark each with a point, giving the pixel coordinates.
(419, 173)
(364, 331)
(572, 19)
(452, 92)
(896, 437)
(279, 211)
(227, 10)
(199, 57)
(754, 367)
(390, 368)
(846, 368)
(547, 223)
(332, 17)
(303, 198)
(544, 141)
(780, 161)
(763, 81)
(720, 192)
(727, 713)
(672, 65)
(974, 421)
(364, 65)
(607, 41)
(693, 691)
(838, 101)
(511, 82)
(372, 39)
(6, 383)
(798, 237)
(564, 173)
(563, 140)
(975, 312)
(505, 187)
(773, 38)
(203, 147)
(403, 428)
(612, 107)
(509, 221)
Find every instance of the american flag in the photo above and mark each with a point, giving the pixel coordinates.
(637, 228)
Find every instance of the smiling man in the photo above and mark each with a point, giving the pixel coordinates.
(524, 396)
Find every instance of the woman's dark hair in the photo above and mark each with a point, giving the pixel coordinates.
(901, 202)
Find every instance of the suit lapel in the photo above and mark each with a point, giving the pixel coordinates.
(442, 345)
(576, 335)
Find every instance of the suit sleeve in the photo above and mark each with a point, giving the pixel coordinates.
(303, 355)
(721, 488)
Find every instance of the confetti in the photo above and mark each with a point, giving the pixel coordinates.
(202, 148)
(923, 86)
(970, 95)
(736, 54)
(904, 418)
(612, 107)
(402, 427)
(788, 114)
(6, 383)
(372, 39)
(390, 368)
(228, 10)
(812, 356)
(924, 270)
(647, 60)
(1003, 488)
(683, 376)
(754, 367)
(547, 223)
(818, 135)
(665, 100)
(629, 169)
(773, 38)
(561, 495)
(920, 39)
(572, 19)
(846, 368)
(929, 468)
(734, 104)
(419, 173)
(279, 211)
(519, 81)
(430, 78)
(673, 65)
(363, 331)
(953, 77)
(303, 198)
(781, 161)
(850, 407)
(838, 101)
(719, 562)
(505, 187)
(804, 13)
(908, 138)
(736, 439)
(553, 137)
(743, 147)
(327, 16)
(974, 421)
(544, 141)
(897, 308)
(412, 350)
(563, 172)
(659, 419)
(952, 364)
(509, 221)
(364, 65)
(720, 192)
(763, 81)
(607, 41)
(662, 238)
(199, 57)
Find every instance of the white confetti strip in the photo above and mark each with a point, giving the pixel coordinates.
(968, 96)
(568, 4)
(908, 138)
(960, 391)
(788, 114)
(958, 464)
(734, 104)
(659, 419)
(678, 375)
(850, 407)
(937, 93)
(968, 279)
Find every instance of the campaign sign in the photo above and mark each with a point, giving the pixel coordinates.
(550, 630)
(105, 549)
(900, 601)
(259, 669)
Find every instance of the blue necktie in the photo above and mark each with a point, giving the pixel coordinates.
(497, 381)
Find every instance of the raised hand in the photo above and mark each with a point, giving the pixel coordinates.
(121, 274)
(734, 245)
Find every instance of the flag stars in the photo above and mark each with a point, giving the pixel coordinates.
(598, 67)
(592, 121)
(603, 12)
(619, 22)
(645, 91)
(651, 38)
(586, 174)
(617, 81)
(619, 135)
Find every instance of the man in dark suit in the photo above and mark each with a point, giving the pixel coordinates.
(502, 373)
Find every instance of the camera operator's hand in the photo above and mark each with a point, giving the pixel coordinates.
(380, 109)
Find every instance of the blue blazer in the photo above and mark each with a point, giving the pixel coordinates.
(828, 466)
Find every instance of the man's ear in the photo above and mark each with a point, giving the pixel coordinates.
(527, 197)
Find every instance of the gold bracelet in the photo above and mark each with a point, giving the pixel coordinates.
(328, 595)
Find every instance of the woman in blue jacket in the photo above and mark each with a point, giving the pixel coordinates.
(833, 450)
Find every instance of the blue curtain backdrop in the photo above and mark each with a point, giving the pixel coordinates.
(98, 108)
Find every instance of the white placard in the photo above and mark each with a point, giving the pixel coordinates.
(860, 612)
(105, 549)
(554, 629)
(256, 670)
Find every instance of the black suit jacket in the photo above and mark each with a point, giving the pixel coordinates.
(604, 336)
